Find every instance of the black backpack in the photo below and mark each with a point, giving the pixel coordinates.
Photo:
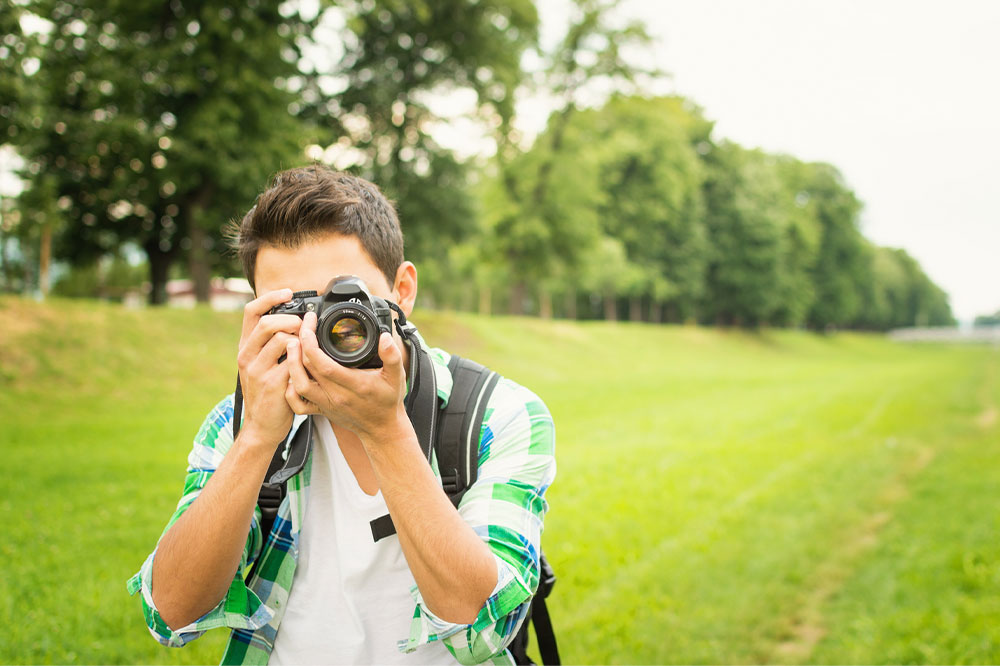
(453, 432)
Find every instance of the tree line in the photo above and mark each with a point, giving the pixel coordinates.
(147, 125)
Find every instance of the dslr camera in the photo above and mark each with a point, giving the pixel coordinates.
(349, 320)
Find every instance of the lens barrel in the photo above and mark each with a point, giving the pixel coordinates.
(348, 334)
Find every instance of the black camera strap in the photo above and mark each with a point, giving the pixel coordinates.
(421, 404)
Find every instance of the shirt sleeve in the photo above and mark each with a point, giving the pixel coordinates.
(505, 507)
(240, 608)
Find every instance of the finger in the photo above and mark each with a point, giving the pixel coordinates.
(314, 359)
(296, 371)
(388, 351)
(272, 351)
(255, 309)
(266, 327)
(298, 403)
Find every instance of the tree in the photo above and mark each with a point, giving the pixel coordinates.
(654, 205)
(801, 236)
(397, 57)
(18, 120)
(557, 231)
(745, 232)
(840, 271)
(160, 120)
(592, 54)
(18, 53)
(920, 302)
(988, 320)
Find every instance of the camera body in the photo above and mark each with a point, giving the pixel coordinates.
(349, 320)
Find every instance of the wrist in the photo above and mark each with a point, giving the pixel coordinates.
(254, 440)
(393, 431)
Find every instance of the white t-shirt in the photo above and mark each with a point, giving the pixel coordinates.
(350, 599)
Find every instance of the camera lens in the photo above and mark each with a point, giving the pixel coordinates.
(348, 336)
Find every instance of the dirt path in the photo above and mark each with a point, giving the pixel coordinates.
(988, 417)
(806, 626)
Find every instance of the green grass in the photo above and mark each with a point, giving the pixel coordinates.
(722, 497)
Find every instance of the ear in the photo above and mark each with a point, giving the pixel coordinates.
(405, 287)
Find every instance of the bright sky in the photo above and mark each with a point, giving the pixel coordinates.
(902, 96)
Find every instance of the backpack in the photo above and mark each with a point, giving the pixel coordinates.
(453, 433)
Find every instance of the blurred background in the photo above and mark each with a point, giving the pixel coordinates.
(685, 225)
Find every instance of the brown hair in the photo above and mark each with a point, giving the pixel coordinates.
(306, 203)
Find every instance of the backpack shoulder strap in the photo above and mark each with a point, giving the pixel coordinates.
(288, 459)
(452, 431)
(460, 425)
(457, 448)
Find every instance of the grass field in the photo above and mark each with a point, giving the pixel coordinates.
(722, 497)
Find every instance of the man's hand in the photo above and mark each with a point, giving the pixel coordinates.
(367, 402)
(263, 379)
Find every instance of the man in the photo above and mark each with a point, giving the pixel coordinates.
(450, 584)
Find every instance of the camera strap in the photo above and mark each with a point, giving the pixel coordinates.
(421, 404)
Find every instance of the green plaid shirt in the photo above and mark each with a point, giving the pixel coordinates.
(505, 507)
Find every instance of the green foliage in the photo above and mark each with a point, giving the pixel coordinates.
(652, 175)
(620, 209)
(900, 294)
(742, 192)
(548, 224)
(110, 278)
(635, 200)
(156, 123)
(538, 231)
(841, 511)
(800, 242)
(397, 56)
(18, 52)
(840, 271)
(988, 320)
(161, 120)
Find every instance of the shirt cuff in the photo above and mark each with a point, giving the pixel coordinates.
(239, 609)
(490, 631)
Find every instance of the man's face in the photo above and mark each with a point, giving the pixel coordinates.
(313, 264)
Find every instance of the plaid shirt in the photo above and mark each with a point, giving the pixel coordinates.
(505, 507)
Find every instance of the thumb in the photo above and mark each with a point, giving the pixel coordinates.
(389, 352)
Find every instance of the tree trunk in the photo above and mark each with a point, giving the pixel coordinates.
(465, 298)
(4, 263)
(635, 308)
(656, 312)
(485, 301)
(159, 268)
(201, 274)
(102, 277)
(517, 290)
(198, 259)
(4, 259)
(571, 312)
(545, 304)
(610, 306)
(45, 259)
